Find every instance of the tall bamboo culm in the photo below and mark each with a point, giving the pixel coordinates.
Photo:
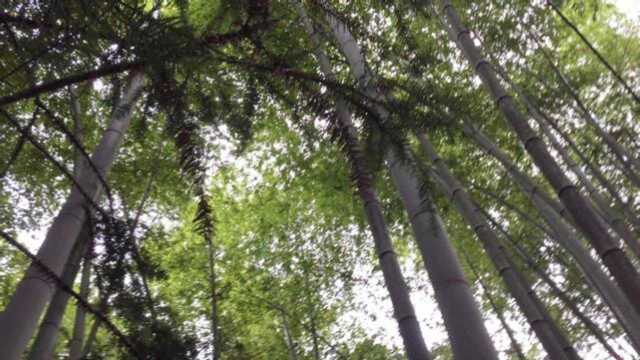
(610, 293)
(404, 312)
(20, 318)
(554, 342)
(463, 320)
(45, 342)
(591, 326)
(580, 209)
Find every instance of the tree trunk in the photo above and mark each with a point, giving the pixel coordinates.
(610, 215)
(539, 115)
(136, 247)
(312, 328)
(291, 346)
(588, 323)
(620, 306)
(581, 210)
(215, 329)
(515, 282)
(45, 342)
(75, 345)
(399, 293)
(515, 346)
(314, 338)
(20, 318)
(464, 323)
(629, 162)
(611, 189)
(88, 345)
(595, 52)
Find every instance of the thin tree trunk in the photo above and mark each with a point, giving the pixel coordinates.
(610, 215)
(628, 161)
(314, 337)
(88, 345)
(591, 327)
(534, 110)
(561, 294)
(611, 189)
(136, 247)
(291, 346)
(515, 345)
(557, 92)
(215, 329)
(75, 345)
(580, 209)
(560, 259)
(19, 320)
(620, 306)
(464, 323)
(515, 282)
(17, 149)
(531, 187)
(311, 311)
(399, 293)
(595, 52)
(45, 342)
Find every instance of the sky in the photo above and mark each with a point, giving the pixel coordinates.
(629, 7)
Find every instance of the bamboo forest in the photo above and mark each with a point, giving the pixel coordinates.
(320, 179)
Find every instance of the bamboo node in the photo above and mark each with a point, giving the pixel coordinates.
(406, 317)
(531, 138)
(462, 32)
(115, 131)
(566, 187)
(609, 251)
(502, 97)
(480, 62)
(454, 192)
(385, 252)
(72, 214)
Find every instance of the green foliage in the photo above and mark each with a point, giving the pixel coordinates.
(236, 129)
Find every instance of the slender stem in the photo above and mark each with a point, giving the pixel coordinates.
(583, 213)
(515, 345)
(69, 80)
(595, 51)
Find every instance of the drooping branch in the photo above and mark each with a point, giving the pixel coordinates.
(77, 144)
(69, 80)
(17, 149)
(33, 292)
(55, 162)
